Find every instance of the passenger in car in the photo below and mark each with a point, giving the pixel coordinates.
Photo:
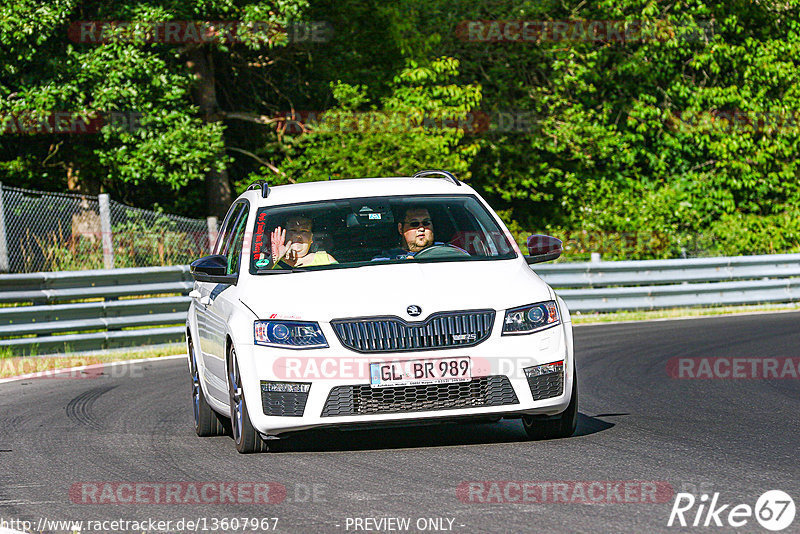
(291, 247)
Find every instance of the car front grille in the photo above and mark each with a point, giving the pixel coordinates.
(392, 334)
(547, 385)
(366, 400)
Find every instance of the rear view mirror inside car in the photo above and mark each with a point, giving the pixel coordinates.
(369, 215)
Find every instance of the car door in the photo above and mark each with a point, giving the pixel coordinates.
(213, 307)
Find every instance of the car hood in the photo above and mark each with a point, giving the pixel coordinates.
(390, 289)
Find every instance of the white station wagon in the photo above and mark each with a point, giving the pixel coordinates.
(371, 302)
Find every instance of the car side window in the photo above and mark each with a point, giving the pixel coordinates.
(224, 238)
(234, 252)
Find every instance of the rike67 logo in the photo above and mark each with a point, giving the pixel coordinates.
(774, 511)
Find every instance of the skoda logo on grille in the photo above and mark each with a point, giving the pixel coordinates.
(413, 310)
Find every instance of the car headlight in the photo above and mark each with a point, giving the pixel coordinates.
(290, 334)
(531, 318)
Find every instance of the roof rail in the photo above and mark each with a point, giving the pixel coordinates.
(437, 173)
(260, 184)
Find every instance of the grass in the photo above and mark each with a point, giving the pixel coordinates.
(678, 313)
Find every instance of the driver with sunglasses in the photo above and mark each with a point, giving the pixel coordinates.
(416, 231)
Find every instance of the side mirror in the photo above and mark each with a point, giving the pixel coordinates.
(543, 248)
(212, 269)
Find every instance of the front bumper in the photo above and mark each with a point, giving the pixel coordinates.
(332, 385)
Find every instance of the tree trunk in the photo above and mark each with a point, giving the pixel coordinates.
(72, 177)
(218, 188)
(79, 182)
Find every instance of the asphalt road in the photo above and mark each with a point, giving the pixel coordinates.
(637, 423)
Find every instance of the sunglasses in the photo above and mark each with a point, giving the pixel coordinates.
(416, 224)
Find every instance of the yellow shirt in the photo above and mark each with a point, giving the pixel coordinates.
(320, 258)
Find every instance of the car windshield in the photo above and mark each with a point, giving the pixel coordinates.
(355, 232)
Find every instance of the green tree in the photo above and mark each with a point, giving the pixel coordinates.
(171, 89)
(680, 140)
(421, 124)
(661, 135)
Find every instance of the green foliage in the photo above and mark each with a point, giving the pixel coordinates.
(161, 140)
(140, 243)
(682, 141)
(415, 127)
(75, 254)
(668, 136)
(137, 243)
(741, 234)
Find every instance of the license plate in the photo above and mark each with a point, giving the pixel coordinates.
(420, 372)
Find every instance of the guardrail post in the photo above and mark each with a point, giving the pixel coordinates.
(595, 257)
(105, 230)
(4, 267)
(212, 233)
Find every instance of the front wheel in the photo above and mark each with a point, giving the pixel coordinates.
(560, 426)
(244, 435)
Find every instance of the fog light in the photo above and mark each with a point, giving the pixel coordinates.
(545, 369)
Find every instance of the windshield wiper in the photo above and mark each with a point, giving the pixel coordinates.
(282, 271)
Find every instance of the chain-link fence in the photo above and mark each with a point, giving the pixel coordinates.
(42, 231)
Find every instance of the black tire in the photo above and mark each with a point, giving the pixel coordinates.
(563, 425)
(244, 435)
(207, 422)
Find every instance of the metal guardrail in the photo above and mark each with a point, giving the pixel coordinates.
(146, 306)
(608, 273)
(49, 313)
(656, 284)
